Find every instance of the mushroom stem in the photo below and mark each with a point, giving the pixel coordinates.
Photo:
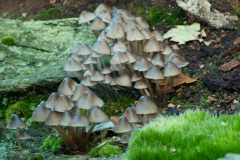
(99, 64)
(141, 92)
(145, 119)
(127, 136)
(158, 92)
(165, 88)
(69, 144)
(89, 132)
(18, 140)
(149, 86)
(146, 91)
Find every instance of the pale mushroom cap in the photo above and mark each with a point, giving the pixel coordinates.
(108, 79)
(142, 22)
(116, 67)
(146, 33)
(90, 60)
(145, 106)
(123, 139)
(154, 73)
(79, 120)
(51, 100)
(24, 135)
(89, 99)
(41, 113)
(170, 70)
(131, 115)
(141, 84)
(134, 34)
(54, 118)
(124, 80)
(81, 88)
(66, 118)
(106, 70)
(84, 49)
(131, 57)
(119, 46)
(97, 76)
(85, 16)
(132, 23)
(126, 14)
(107, 17)
(157, 59)
(123, 125)
(76, 47)
(96, 115)
(101, 7)
(16, 122)
(157, 35)
(119, 58)
(63, 103)
(167, 50)
(136, 76)
(152, 45)
(72, 65)
(141, 65)
(67, 86)
(88, 72)
(87, 82)
(101, 47)
(179, 62)
(97, 24)
(103, 36)
(116, 31)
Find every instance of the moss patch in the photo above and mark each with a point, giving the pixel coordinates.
(52, 142)
(36, 156)
(8, 41)
(51, 13)
(195, 134)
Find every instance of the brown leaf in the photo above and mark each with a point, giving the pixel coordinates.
(170, 105)
(181, 79)
(217, 46)
(211, 99)
(217, 40)
(175, 47)
(237, 41)
(201, 66)
(229, 65)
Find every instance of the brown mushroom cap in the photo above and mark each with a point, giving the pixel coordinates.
(157, 59)
(140, 84)
(87, 82)
(96, 115)
(101, 47)
(142, 22)
(66, 118)
(116, 31)
(79, 120)
(97, 24)
(72, 65)
(101, 7)
(89, 99)
(157, 35)
(41, 112)
(24, 135)
(141, 65)
(145, 106)
(154, 73)
(51, 100)
(131, 115)
(63, 103)
(119, 58)
(134, 34)
(152, 45)
(85, 16)
(16, 122)
(81, 88)
(97, 76)
(124, 80)
(170, 70)
(119, 46)
(54, 118)
(67, 86)
(123, 125)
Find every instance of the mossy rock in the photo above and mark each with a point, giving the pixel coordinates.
(107, 150)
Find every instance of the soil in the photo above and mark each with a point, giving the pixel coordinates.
(215, 91)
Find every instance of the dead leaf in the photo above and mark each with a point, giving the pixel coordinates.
(229, 65)
(201, 66)
(175, 47)
(227, 99)
(211, 99)
(217, 46)
(170, 105)
(217, 40)
(207, 43)
(237, 41)
(181, 79)
(233, 107)
(52, 1)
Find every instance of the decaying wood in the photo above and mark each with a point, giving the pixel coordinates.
(229, 65)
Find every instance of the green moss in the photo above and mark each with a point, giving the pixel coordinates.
(51, 13)
(8, 41)
(36, 156)
(160, 15)
(105, 151)
(192, 135)
(52, 142)
(23, 108)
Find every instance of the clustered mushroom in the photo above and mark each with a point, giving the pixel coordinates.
(126, 55)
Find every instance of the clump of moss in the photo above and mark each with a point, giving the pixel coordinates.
(51, 13)
(52, 142)
(36, 156)
(105, 151)
(190, 135)
(160, 15)
(8, 41)
(23, 108)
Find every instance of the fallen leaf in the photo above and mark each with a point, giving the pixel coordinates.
(181, 79)
(170, 105)
(207, 43)
(201, 66)
(229, 65)
(211, 99)
(175, 47)
(217, 40)
(233, 107)
(237, 41)
(217, 46)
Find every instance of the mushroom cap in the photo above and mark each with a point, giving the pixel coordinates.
(97, 76)
(54, 118)
(178, 61)
(167, 50)
(147, 33)
(41, 112)
(80, 89)
(79, 120)
(101, 47)
(134, 34)
(66, 118)
(118, 58)
(85, 16)
(88, 72)
(141, 84)
(103, 36)
(119, 46)
(96, 115)
(136, 76)
(152, 45)
(141, 65)
(170, 70)
(107, 17)
(157, 59)
(97, 24)
(131, 115)
(90, 60)
(157, 35)
(132, 23)
(51, 100)
(72, 65)
(130, 56)
(123, 139)
(89, 99)
(154, 73)
(76, 47)
(123, 125)
(24, 135)
(108, 79)
(63, 103)
(116, 67)
(124, 80)
(67, 86)
(116, 31)
(106, 70)
(16, 122)
(84, 50)
(145, 106)
(142, 22)
(126, 14)
(87, 82)
(101, 7)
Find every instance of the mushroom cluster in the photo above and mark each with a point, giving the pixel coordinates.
(74, 110)
(126, 55)
(144, 111)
